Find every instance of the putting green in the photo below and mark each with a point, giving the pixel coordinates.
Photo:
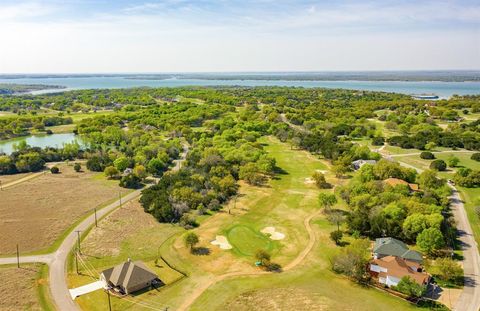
(247, 241)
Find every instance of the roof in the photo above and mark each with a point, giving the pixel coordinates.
(399, 268)
(396, 181)
(394, 247)
(129, 274)
(359, 163)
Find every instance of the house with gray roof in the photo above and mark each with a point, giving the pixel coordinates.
(392, 247)
(129, 277)
(359, 163)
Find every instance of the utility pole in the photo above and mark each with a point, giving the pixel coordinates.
(18, 258)
(96, 224)
(109, 303)
(78, 241)
(76, 261)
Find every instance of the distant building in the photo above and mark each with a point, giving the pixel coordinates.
(129, 277)
(359, 163)
(127, 171)
(396, 181)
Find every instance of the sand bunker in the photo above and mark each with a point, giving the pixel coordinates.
(322, 171)
(274, 235)
(309, 180)
(222, 242)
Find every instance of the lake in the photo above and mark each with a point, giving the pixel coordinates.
(442, 89)
(42, 141)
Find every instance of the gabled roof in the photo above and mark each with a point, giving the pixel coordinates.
(399, 268)
(394, 247)
(129, 274)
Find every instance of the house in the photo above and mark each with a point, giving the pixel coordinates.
(384, 247)
(393, 182)
(389, 270)
(127, 171)
(129, 277)
(359, 163)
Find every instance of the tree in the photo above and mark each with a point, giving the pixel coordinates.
(320, 180)
(353, 259)
(438, 165)
(453, 161)
(121, 163)
(426, 155)
(190, 239)
(30, 162)
(156, 167)
(336, 218)
(327, 200)
(77, 167)
(54, 170)
(430, 240)
(110, 171)
(430, 146)
(140, 171)
(336, 236)
(413, 225)
(131, 181)
(262, 256)
(428, 179)
(251, 174)
(449, 270)
(476, 156)
(409, 287)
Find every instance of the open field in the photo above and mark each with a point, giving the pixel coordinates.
(37, 212)
(285, 204)
(23, 288)
(6, 179)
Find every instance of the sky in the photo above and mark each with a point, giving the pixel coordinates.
(75, 36)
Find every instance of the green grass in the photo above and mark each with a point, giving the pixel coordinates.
(43, 290)
(247, 241)
(471, 197)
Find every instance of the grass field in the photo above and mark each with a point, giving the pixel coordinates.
(247, 241)
(24, 288)
(37, 212)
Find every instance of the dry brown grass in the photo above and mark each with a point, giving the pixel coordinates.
(18, 288)
(36, 212)
(6, 179)
(279, 299)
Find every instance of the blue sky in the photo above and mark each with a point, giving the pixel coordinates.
(265, 35)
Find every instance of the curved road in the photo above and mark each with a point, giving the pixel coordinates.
(58, 260)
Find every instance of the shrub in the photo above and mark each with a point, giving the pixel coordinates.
(453, 161)
(438, 165)
(336, 236)
(263, 256)
(77, 167)
(378, 141)
(110, 171)
(427, 155)
(271, 266)
(55, 170)
(409, 287)
(320, 180)
(190, 239)
(476, 156)
(131, 181)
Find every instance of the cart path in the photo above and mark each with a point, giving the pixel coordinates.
(192, 297)
(30, 176)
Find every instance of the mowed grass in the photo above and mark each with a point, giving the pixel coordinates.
(247, 241)
(471, 197)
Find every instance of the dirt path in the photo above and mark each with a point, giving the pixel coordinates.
(200, 290)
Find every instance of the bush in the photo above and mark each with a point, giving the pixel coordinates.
(188, 222)
(409, 287)
(110, 171)
(336, 236)
(55, 170)
(190, 239)
(263, 256)
(271, 266)
(131, 181)
(427, 155)
(438, 165)
(77, 167)
(476, 156)
(378, 141)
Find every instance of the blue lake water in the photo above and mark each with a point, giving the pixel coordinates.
(42, 141)
(442, 89)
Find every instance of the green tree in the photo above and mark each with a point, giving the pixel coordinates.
(409, 287)
(353, 259)
(426, 155)
(140, 171)
(327, 200)
(77, 167)
(453, 161)
(336, 236)
(320, 180)
(54, 170)
(430, 240)
(251, 174)
(413, 225)
(110, 171)
(438, 165)
(121, 163)
(448, 269)
(191, 239)
(156, 167)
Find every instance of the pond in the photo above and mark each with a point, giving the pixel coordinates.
(42, 141)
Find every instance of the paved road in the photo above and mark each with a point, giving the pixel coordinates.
(470, 297)
(435, 152)
(58, 260)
